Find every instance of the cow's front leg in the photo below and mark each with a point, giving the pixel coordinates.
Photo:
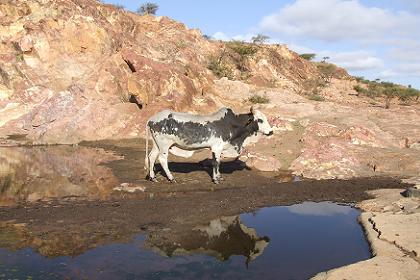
(216, 164)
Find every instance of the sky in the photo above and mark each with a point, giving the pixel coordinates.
(374, 39)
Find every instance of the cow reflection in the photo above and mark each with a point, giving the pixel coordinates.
(222, 238)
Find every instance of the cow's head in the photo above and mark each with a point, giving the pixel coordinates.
(263, 125)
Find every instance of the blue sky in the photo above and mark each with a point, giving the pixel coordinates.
(374, 39)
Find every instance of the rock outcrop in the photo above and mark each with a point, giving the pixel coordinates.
(69, 69)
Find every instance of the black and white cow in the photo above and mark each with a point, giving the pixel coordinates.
(222, 132)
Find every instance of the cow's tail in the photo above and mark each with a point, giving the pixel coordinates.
(146, 158)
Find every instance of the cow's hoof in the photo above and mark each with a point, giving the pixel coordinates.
(173, 181)
(152, 179)
(216, 181)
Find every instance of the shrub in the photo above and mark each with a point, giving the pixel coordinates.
(359, 89)
(243, 51)
(258, 99)
(327, 71)
(218, 68)
(308, 56)
(316, 97)
(148, 9)
(388, 91)
(313, 86)
(241, 48)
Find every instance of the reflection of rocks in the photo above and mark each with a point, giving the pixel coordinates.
(30, 174)
(222, 238)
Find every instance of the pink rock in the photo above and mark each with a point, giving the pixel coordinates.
(26, 44)
(262, 162)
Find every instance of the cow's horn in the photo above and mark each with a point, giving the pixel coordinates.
(252, 109)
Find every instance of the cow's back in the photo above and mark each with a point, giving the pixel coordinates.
(184, 128)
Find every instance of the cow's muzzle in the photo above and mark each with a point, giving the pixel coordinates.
(269, 134)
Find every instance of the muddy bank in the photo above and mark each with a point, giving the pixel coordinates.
(69, 225)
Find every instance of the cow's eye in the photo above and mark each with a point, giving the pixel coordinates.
(260, 121)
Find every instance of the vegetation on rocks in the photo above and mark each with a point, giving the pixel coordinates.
(308, 56)
(242, 52)
(235, 53)
(327, 71)
(386, 90)
(316, 97)
(219, 68)
(258, 99)
(148, 9)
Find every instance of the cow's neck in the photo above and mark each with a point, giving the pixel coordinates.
(243, 129)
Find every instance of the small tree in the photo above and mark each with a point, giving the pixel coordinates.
(308, 56)
(259, 39)
(148, 9)
(324, 59)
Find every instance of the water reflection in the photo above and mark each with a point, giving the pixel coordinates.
(31, 174)
(221, 238)
(300, 245)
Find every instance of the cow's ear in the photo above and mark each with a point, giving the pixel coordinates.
(252, 110)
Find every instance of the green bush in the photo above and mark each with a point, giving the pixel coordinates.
(148, 9)
(359, 89)
(316, 97)
(219, 69)
(308, 56)
(327, 71)
(243, 51)
(258, 99)
(388, 91)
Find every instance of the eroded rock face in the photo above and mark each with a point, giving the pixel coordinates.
(69, 69)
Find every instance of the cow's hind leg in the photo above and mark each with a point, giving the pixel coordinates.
(216, 164)
(163, 159)
(152, 159)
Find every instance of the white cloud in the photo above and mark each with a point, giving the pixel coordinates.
(407, 50)
(240, 37)
(319, 209)
(388, 73)
(336, 20)
(220, 36)
(409, 69)
(355, 61)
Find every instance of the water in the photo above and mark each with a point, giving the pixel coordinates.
(284, 242)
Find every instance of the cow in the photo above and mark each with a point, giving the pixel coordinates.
(221, 132)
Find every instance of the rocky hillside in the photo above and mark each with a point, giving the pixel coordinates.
(73, 70)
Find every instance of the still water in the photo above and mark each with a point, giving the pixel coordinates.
(284, 242)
